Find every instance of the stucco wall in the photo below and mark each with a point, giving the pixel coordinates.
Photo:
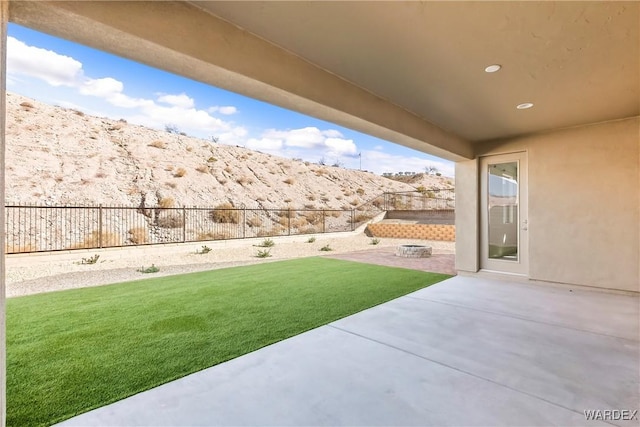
(584, 204)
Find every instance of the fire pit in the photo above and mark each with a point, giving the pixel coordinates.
(413, 251)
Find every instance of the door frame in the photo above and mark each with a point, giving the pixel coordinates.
(520, 266)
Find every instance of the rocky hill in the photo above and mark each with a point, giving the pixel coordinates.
(59, 156)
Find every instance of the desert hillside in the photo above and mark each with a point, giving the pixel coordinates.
(59, 156)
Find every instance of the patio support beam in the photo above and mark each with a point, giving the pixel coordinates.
(182, 38)
(4, 18)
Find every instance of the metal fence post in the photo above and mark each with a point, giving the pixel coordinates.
(184, 224)
(289, 220)
(353, 219)
(323, 222)
(100, 226)
(244, 221)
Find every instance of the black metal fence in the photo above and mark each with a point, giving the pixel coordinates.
(56, 228)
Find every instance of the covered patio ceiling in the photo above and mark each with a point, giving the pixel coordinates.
(409, 72)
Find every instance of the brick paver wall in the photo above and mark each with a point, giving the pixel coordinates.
(414, 231)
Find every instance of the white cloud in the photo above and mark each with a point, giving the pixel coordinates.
(102, 88)
(339, 147)
(182, 100)
(53, 68)
(227, 110)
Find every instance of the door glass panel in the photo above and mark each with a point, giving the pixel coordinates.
(503, 211)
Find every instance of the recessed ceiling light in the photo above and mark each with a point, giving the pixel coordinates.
(524, 106)
(493, 68)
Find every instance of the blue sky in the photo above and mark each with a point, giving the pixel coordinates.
(59, 72)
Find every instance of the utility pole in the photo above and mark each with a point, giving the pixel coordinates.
(360, 156)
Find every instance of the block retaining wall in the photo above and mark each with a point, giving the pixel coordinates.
(441, 232)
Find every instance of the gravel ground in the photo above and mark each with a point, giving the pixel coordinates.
(56, 274)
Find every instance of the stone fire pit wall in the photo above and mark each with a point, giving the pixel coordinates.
(413, 251)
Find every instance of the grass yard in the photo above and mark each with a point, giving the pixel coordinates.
(72, 351)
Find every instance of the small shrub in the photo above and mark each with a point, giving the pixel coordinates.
(254, 222)
(309, 206)
(267, 243)
(204, 250)
(26, 105)
(360, 191)
(171, 184)
(90, 260)
(421, 189)
(203, 169)
(243, 180)
(374, 241)
(152, 269)
(228, 169)
(138, 235)
(326, 248)
(78, 113)
(158, 144)
(354, 202)
(94, 239)
(180, 172)
(189, 148)
(289, 181)
(265, 253)
(166, 202)
(311, 239)
(225, 214)
(212, 159)
(170, 220)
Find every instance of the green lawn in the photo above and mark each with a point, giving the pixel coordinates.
(72, 351)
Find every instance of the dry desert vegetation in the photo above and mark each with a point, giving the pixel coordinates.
(61, 156)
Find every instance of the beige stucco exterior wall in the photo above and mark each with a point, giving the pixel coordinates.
(467, 216)
(584, 204)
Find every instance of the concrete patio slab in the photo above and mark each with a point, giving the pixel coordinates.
(450, 354)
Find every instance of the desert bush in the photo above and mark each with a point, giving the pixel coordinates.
(138, 235)
(152, 269)
(78, 113)
(314, 217)
(90, 260)
(267, 243)
(171, 184)
(180, 172)
(204, 250)
(254, 222)
(354, 202)
(360, 191)
(311, 239)
(189, 148)
(228, 169)
(166, 203)
(326, 248)
(26, 105)
(311, 197)
(225, 213)
(374, 241)
(92, 240)
(244, 180)
(309, 206)
(158, 144)
(17, 249)
(335, 214)
(421, 189)
(359, 218)
(265, 253)
(289, 181)
(212, 159)
(170, 220)
(203, 169)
